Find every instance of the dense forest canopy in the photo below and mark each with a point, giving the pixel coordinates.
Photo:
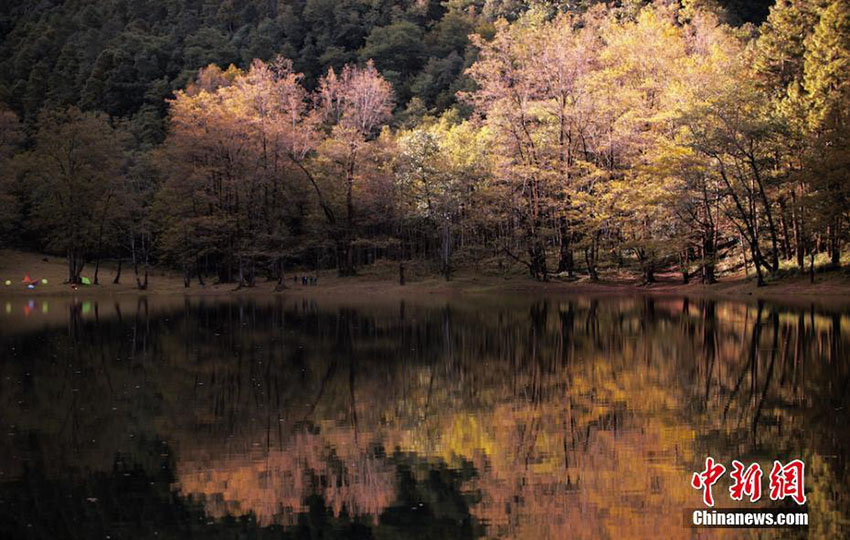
(238, 139)
(126, 57)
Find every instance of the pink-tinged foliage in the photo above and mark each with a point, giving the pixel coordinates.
(359, 98)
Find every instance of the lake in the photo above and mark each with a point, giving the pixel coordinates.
(569, 417)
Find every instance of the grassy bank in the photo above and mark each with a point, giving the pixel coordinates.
(382, 280)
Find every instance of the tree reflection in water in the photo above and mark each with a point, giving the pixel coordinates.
(574, 417)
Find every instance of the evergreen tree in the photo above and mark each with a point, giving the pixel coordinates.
(827, 63)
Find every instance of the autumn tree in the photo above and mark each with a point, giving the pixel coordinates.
(75, 169)
(827, 60)
(777, 68)
(529, 91)
(353, 105)
(643, 60)
(440, 175)
(230, 194)
(242, 144)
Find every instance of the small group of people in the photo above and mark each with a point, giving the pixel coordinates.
(306, 280)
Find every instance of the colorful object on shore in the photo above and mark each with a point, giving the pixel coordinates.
(85, 281)
(28, 280)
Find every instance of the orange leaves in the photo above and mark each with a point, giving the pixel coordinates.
(268, 103)
(238, 139)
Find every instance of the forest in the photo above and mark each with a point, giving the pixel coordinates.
(238, 140)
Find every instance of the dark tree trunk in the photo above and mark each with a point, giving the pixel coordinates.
(76, 263)
(100, 238)
(757, 264)
(537, 256)
(345, 257)
(708, 257)
(74, 268)
(590, 259)
(834, 244)
(241, 274)
(117, 278)
(279, 270)
(648, 266)
(773, 266)
(799, 248)
(345, 249)
(446, 249)
(565, 251)
(649, 272)
(141, 283)
(783, 219)
(811, 266)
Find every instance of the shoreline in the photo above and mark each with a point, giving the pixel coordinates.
(376, 282)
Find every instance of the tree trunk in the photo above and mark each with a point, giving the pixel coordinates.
(589, 258)
(117, 278)
(446, 249)
(279, 270)
(346, 267)
(798, 233)
(241, 274)
(76, 263)
(537, 257)
(783, 220)
(834, 243)
(100, 237)
(757, 264)
(708, 256)
(145, 264)
(141, 284)
(200, 273)
(81, 263)
(73, 275)
(345, 257)
(565, 252)
(133, 257)
(648, 266)
(771, 225)
(811, 266)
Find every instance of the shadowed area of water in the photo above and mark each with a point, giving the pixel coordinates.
(576, 417)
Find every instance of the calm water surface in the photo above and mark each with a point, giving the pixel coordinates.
(561, 418)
